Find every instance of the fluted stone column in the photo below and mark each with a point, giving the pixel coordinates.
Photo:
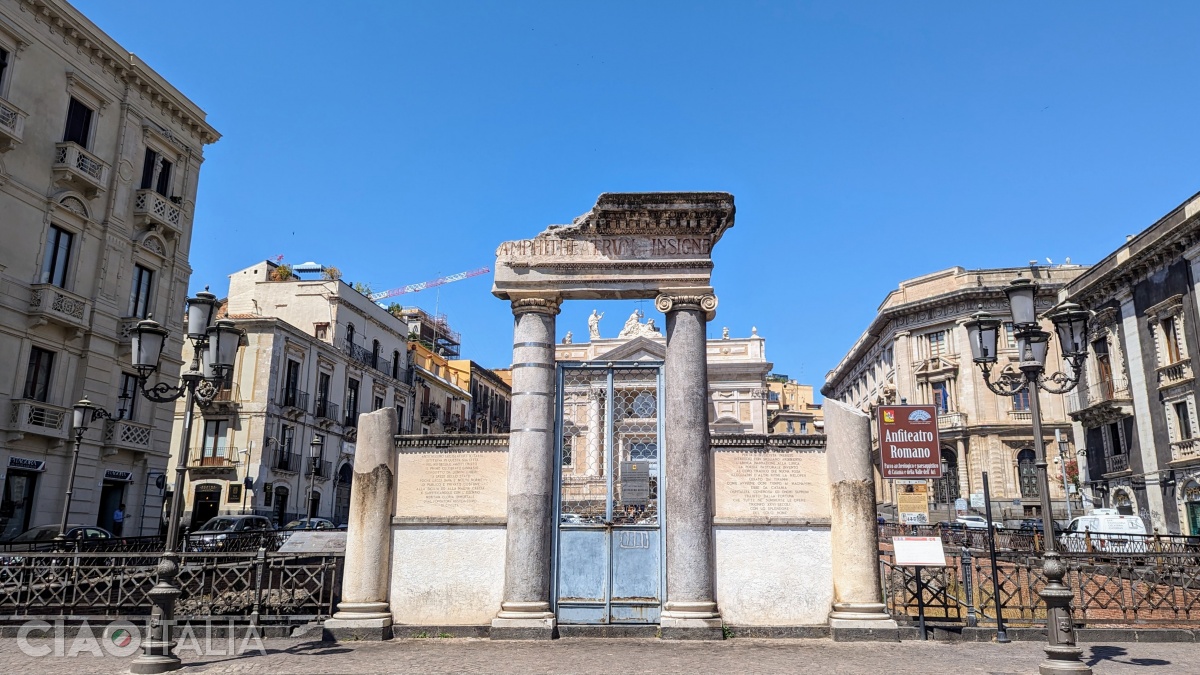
(525, 610)
(858, 609)
(690, 610)
(363, 612)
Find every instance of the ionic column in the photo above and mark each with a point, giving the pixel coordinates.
(595, 423)
(857, 596)
(690, 610)
(364, 612)
(525, 611)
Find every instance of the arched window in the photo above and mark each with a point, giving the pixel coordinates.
(396, 365)
(1027, 474)
(279, 505)
(350, 333)
(945, 489)
(375, 354)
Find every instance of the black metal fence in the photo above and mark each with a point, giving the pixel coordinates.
(258, 585)
(1159, 587)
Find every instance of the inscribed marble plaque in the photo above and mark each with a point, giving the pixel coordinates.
(450, 483)
(756, 485)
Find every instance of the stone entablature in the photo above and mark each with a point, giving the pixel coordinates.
(629, 246)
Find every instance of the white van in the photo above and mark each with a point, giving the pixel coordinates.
(1110, 532)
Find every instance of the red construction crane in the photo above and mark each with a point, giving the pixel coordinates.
(414, 288)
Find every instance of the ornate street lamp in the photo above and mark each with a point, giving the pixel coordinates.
(84, 413)
(314, 456)
(214, 350)
(1070, 322)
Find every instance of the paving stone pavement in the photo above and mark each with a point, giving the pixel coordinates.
(611, 656)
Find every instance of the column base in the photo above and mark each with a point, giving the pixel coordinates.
(359, 621)
(524, 621)
(149, 665)
(691, 621)
(862, 622)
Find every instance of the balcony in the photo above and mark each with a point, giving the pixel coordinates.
(953, 420)
(351, 421)
(430, 413)
(1023, 416)
(357, 353)
(155, 210)
(285, 460)
(295, 400)
(1176, 373)
(42, 419)
(1187, 450)
(79, 169)
(217, 460)
(127, 435)
(1116, 463)
(50, 304)
(321, 469)
(12, 125)
(327, 411)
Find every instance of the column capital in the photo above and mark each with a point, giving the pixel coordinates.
(706, 302)
(550, 306)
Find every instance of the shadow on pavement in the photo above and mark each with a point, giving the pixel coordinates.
(1110, 653)
(313, 648)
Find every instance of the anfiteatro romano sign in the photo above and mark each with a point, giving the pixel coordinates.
(908, 442)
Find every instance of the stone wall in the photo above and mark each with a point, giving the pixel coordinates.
(771, 530)
(448, 531)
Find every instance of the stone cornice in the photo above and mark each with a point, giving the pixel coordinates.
(443, 441)
(768, 441)
(126, 68)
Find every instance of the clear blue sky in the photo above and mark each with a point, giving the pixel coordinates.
(865, 143)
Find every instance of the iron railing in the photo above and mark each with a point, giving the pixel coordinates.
(327, 409)
(258, 585)
(286, 460)
(293, 398)
(321, 468)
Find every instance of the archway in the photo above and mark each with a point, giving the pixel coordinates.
(341, 495)
(1027, 479)
(945, 489)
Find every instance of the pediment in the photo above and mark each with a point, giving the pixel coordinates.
(637, 349)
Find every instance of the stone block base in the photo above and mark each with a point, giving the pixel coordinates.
(672, 628)
(345, 630)
(523, 629)
(608, 631)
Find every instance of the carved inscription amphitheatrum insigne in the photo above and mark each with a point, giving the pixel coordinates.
(606, 247)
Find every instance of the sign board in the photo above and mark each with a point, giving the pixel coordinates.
(926, 551)
(977, 500)
(635, 483)
(908, 442)
(112, 474)
(960, 506)
(912, 502)
(27, 464)
(315, 541)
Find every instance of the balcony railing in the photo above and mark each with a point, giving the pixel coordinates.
(43, 419)
(351, 421)
(1020, 415)
(293, 398)
(1113, 389)
(1115, 463)
(953, 420)
(154, 209)
(127, 434)
(49, 303)
(327, 409)
(78, 168)
(222, 456)
(320, 468)
(357, 353)
(12, 125)
(430, 413)
(1175, 373)
(1185, 450)
(286, 460)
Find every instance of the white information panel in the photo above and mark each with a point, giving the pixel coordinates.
(926, 551)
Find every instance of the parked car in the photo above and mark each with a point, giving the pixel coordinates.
(43, 538)
(1108, 531)
(975, 522)
(228, 533)
(311, 524)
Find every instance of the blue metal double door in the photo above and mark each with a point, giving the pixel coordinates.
(608, 544)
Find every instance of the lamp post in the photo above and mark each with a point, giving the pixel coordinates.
(83, 414)
(1070, 322)
(314, 456)
(215, 345)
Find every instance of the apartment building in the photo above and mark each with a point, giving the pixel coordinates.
(318, 353)
(99, 162)
(443, 394)
(1135, 407)
(916, 351)
(790, 407)
(491, 397)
